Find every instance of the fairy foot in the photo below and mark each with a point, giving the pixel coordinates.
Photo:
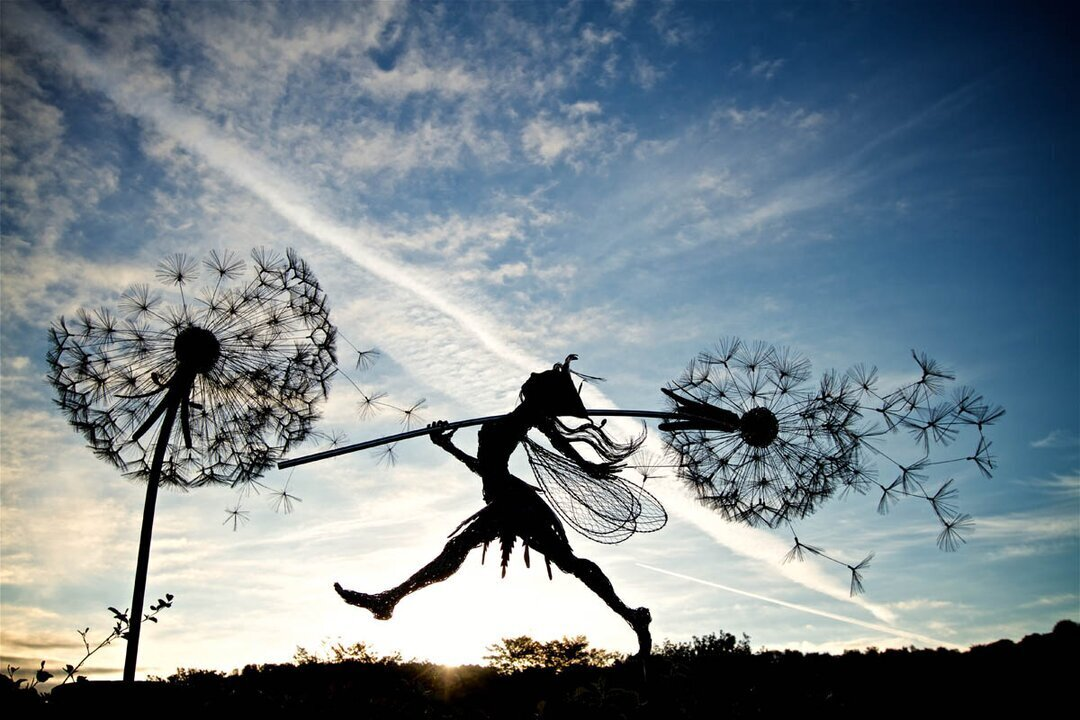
(640, 620)
(378, 604)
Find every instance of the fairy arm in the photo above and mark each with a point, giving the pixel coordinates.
(442, 438)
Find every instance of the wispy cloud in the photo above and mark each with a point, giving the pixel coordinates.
(438, 312)
(923, 604)
(1031, 525)
(1057, 439)
(646, 74)
(888, 629)
(576, 139)
(766, 68)
(1071, 599)
(412, 75)
(1059, 484)
(673, 27)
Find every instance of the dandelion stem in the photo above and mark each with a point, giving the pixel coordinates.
(346, 449)
(142, 565)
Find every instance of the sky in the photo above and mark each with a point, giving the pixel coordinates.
(485, 188)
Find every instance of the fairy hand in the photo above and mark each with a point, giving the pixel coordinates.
(440, 436)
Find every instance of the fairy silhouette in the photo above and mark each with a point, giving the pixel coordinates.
(590, 495)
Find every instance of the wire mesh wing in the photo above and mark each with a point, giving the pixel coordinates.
(604, 507)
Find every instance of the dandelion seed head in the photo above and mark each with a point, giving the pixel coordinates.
(246, 366)
(792, 446)
(763, 445)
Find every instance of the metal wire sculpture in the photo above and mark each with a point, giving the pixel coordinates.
(749, 434)
(765, 447)
(605, 507)
(241, 369)
(589, 494)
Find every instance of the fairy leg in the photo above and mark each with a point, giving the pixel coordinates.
(443, 566)
(558, 551)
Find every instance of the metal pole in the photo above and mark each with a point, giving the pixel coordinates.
(142, 564)
(346, 449)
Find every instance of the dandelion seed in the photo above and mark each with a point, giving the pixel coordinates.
(982, 457)
(950, 538)
(798, 551)
(856, 575)
(944, 501)
(283, 500)
(410, 417)
(865, 379)
(388, 456)
(889, 497)
(366, 358)
(177, 269)
(370, 404)
(236, 516)
(646, 467)
(912, 475)
(932, 372)
(224, 266)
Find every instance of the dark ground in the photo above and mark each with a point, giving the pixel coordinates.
(713, 676)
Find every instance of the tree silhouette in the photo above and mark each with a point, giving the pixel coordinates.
(522, 653)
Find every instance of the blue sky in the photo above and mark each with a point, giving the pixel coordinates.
(483, 189)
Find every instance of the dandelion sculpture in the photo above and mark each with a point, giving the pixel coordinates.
(205, 387)
(747, 432)
(765, 447)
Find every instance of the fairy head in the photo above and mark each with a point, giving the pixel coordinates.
(552, 393)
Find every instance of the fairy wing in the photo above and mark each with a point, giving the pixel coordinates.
(606, 508)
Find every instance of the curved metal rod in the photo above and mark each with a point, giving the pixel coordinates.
(344, 450)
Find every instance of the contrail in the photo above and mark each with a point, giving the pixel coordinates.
(812, 611)
(252, 173)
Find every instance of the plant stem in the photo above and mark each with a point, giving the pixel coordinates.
(143, 563)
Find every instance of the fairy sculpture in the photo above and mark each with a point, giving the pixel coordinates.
(613, 510)
(746, 430)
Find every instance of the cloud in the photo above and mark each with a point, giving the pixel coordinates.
(430, 145)
(1070, 599)
(576, 140)
(811, 610)
(654, 148)
(805, 120)
(738, 117)
(412, 75)
(777, 115)
(1030, 526)
(250, 57)
(674, 28)
(922, 604)
(594, 38)
(721, 184)
(766, 68)
(1057, 439)
(646, 74)
(1061, 486)
(582, 108)
(450, 337)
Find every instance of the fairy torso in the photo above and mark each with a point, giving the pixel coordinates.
(496, 442)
